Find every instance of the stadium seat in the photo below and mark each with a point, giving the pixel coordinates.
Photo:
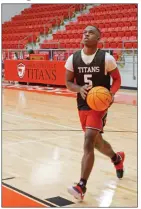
(120, 44)
(113, 45)
(128, 45)
(117, 22)
(135, 45)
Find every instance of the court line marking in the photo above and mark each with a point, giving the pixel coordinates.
(40, 140)
(40, 121)
(59, 130)
(12, 154)
(29, 161)
(39, 89)
(29, 196)
(9, 178)
(11, 149)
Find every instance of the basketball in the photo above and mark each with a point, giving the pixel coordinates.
(99, 98)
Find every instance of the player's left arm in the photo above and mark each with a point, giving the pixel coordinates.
(116, 80)
(111, 68)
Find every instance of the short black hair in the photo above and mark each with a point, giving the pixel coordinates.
(98, 30)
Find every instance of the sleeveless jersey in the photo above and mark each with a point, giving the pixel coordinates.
(91, 74)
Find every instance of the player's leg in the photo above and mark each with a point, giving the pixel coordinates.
(79, 190)
(92, 125)
(105, 148)
(88, 157)
(117, 158)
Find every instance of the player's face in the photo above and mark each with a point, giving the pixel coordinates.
(90, 36)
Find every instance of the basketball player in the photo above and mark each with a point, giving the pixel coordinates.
(91, 67)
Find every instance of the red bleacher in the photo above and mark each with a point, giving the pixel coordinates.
(117, 22)
(32, 21)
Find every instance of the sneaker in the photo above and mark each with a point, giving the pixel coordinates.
(119, 166)
(77, 191)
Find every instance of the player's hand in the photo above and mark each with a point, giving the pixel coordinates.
(84, 90)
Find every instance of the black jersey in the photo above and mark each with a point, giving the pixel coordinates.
(91, 74)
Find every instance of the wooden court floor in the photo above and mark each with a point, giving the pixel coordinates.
(42, 147)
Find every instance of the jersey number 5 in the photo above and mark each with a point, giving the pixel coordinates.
(87, 79)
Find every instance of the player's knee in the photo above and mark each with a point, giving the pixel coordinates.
(90, 136)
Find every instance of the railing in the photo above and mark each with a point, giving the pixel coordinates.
(123, 42)
(51, 42)
(127, 62)
(128, 52)
(70, 8)
(69, 12)
(20, 41)
(45, 25)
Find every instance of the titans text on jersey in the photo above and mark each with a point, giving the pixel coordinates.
(90, 69)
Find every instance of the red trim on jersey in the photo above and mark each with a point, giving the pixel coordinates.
(116, 80)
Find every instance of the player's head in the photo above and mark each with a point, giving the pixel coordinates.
(91, 36)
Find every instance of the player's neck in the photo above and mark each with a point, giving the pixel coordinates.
(89, 51)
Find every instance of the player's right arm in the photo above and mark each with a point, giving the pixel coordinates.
(70, 82)
(83, 90)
